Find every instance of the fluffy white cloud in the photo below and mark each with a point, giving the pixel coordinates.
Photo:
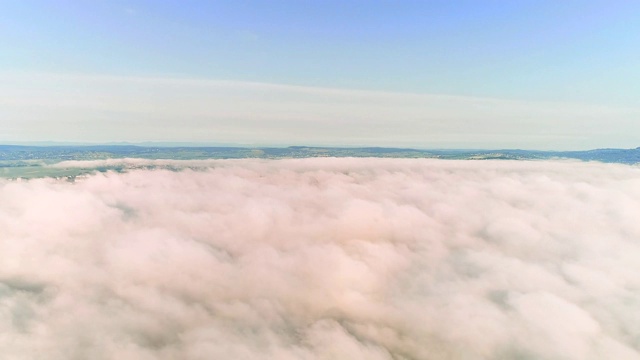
(324, 259)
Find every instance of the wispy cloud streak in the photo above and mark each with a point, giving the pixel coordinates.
(45, 107)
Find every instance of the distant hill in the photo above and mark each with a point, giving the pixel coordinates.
(52, 154)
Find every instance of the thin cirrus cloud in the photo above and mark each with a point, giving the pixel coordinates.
(48, 107)
(323, 259)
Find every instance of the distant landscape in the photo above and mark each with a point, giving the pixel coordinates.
(18, 161)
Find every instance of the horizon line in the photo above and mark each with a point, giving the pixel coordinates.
(187, 144)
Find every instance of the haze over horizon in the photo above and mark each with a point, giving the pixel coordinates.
(468, 74)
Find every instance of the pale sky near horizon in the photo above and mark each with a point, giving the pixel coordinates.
(429, 74)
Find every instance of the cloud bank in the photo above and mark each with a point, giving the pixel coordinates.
(324, 259)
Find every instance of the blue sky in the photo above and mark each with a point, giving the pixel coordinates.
(563, 53)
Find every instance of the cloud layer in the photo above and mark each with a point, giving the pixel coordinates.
(324, 259)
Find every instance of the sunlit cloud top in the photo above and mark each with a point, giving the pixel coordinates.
(319, 259)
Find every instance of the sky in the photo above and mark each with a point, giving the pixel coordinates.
(429, 74)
